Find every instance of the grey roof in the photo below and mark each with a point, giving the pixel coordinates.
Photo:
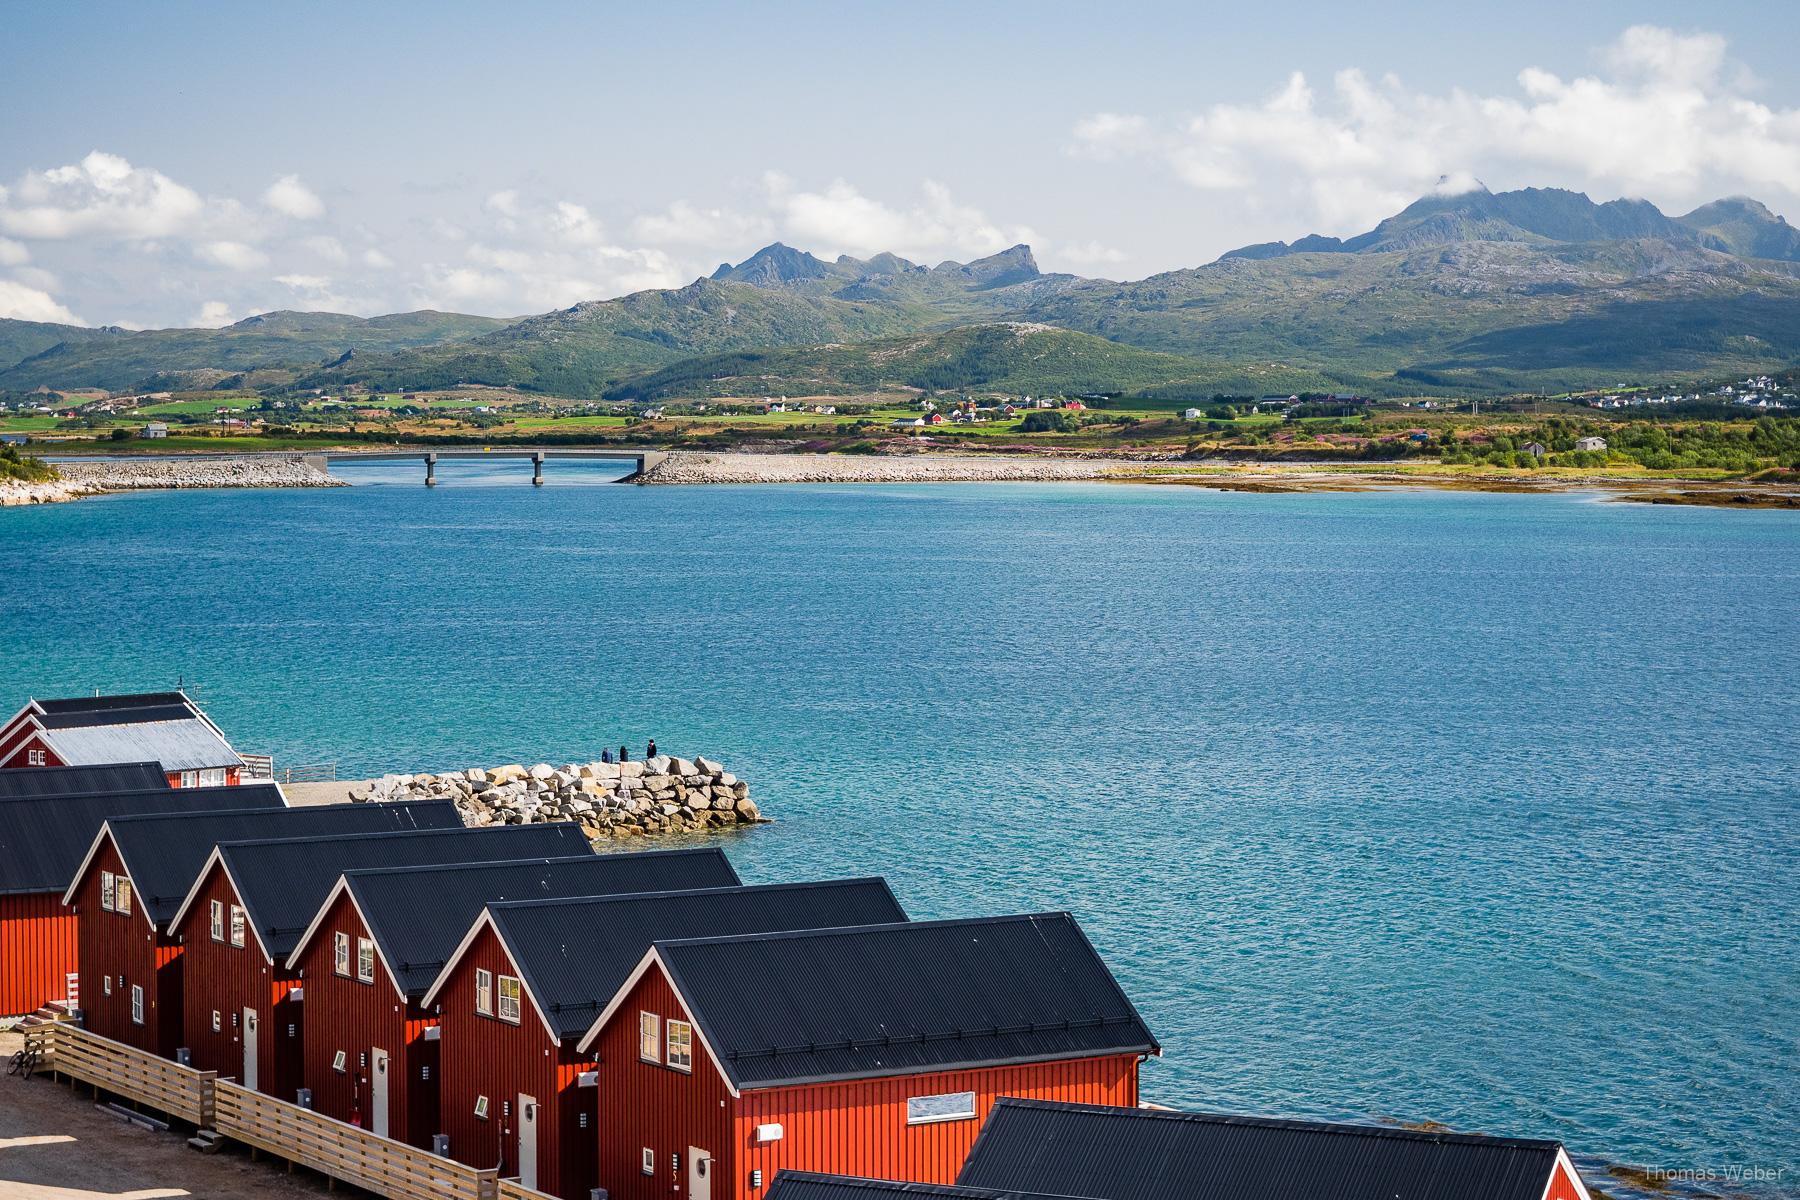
(163, 853)
(44, 838)
(903, 999)
(417, 938)
(810, 1185)
(1134, 1154)
(187, 744)
(108, 777)
(282, 882)
(574, 954)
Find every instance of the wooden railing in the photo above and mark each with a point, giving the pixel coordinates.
(124, 1070)
(512, 1189)
(298, 1135)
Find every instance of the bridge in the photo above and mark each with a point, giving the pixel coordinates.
(645, 459)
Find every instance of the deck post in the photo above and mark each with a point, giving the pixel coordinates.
(431, 470)
(537, 469)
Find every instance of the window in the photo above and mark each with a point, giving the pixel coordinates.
(484, 992)
(190, 779)
(237, 926)
(649, 1161)
(951, 1106)
(649, 1037)
(339, 1062)
(106, 984)
(509, 999)
(218, 1021)
(365, 960)
(34, 758)
(681, 1045)
(340, 952)
(481, 1108)
(213, 777)
(217, 920)
(137, 1004)
(122, 896)
(107, 883)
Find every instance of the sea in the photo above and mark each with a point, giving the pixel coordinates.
(1402, 805)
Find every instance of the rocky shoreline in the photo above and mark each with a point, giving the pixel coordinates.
(661, 795)
(691, 467)
(249, 471)
(17, 492)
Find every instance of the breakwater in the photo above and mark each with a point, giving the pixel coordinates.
(695, 467)
(660, 795)
(249, 471)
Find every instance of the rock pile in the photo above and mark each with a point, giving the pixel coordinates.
(610, 800)
(250, 471)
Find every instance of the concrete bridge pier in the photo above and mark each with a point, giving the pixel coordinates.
(431, 470)
(537, 469)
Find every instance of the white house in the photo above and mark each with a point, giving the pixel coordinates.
(1591, 443)
(1192, 414)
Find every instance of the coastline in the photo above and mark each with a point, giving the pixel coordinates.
(99, 476)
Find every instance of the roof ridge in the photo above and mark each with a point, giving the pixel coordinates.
(627, 897)
(485, 864)
(848, 930)
(236, 843)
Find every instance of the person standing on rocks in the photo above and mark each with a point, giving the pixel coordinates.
(651, 752)
(624, 755)
(606, 756)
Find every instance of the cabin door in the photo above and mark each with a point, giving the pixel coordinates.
(528, 1119)
(700, 1165)
(378, 1090)
(250, 1048)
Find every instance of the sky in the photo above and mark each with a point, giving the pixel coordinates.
(196, 163)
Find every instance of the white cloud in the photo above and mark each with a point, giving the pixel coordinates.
(214, 314)
(1669, 118)
(376, 259)
(13, 253)
(304, 283)
(29, 304)
(235, 256)
(841, 219)
(1085, 253)
(102, 195)
(326, 247)
(291, 198)
(573, 223)
(686, 224)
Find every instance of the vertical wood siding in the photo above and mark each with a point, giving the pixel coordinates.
(124, 949)
(483, 1056)
(38, 950)
(18, 756)
(1562, 1187)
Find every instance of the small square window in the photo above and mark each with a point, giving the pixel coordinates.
(237, 926)
(649, 1037)
(365, 960)
(484, 992)
(218, 1021)
(338, 1062)
(122, 896)
(190, 779)
(107, 883)
(216, 920)
(137, 1004)
(34, 758)
(681, 1045)
(340, 952)
(509, 999)
(481, 1108)
(649, 1161)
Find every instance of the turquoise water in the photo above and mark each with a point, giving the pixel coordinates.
(1475, 808)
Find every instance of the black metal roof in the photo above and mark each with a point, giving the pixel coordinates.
(164, 852)
(86, 718)
(1136, 1154)
(90, 704)
(282, 882)
(811, 1185)
(44, 838)
(63, 781)
(574, 954)
(417, 915)
(903, 999)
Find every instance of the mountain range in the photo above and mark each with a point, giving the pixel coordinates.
(1473, 292)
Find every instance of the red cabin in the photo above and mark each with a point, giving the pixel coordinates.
(1135, 1154)
(242, 1006)
(525, 984)
(138, 871)
(370, 1045)
(163, 727)
(870, 1051)
(42, 840)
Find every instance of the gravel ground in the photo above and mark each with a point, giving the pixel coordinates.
(694, 467)
(55, 1145)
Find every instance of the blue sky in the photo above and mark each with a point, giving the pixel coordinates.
(183, 163)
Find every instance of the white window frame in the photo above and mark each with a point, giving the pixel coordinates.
(930, 1110)
(218, 1021)
(649, 1161)
(679, 1036)
(481, 1108)
(515, 1002)
(215, 919)
(484, 992)
(190, 779)
(137, 1004)
(106, 984)
(212, 777)
(650, 1046)
(239, 922)
(340, 1062)
(34, 758)
(365, 960)
(108, 881)
(122, 895)
(340, 953)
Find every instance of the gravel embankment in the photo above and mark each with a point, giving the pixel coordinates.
(694, 467)
(13, 491)
(123, 474)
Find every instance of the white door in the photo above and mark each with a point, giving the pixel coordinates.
(378, 1090)
(250, 1048)
(700, 1165)
(528, 1116)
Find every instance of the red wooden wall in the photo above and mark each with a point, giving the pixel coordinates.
(125, 949)
(19, 755)
(484, 1056)
(38, 951)
(1563, 1186)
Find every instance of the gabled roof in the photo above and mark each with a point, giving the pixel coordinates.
(810, 1185)
(164, 853)
(43, 838)
(63, 781)
(900, 999)
(573, 955)
(417, 915)
(1135, 1154)
(281, 882)
(179, 742)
